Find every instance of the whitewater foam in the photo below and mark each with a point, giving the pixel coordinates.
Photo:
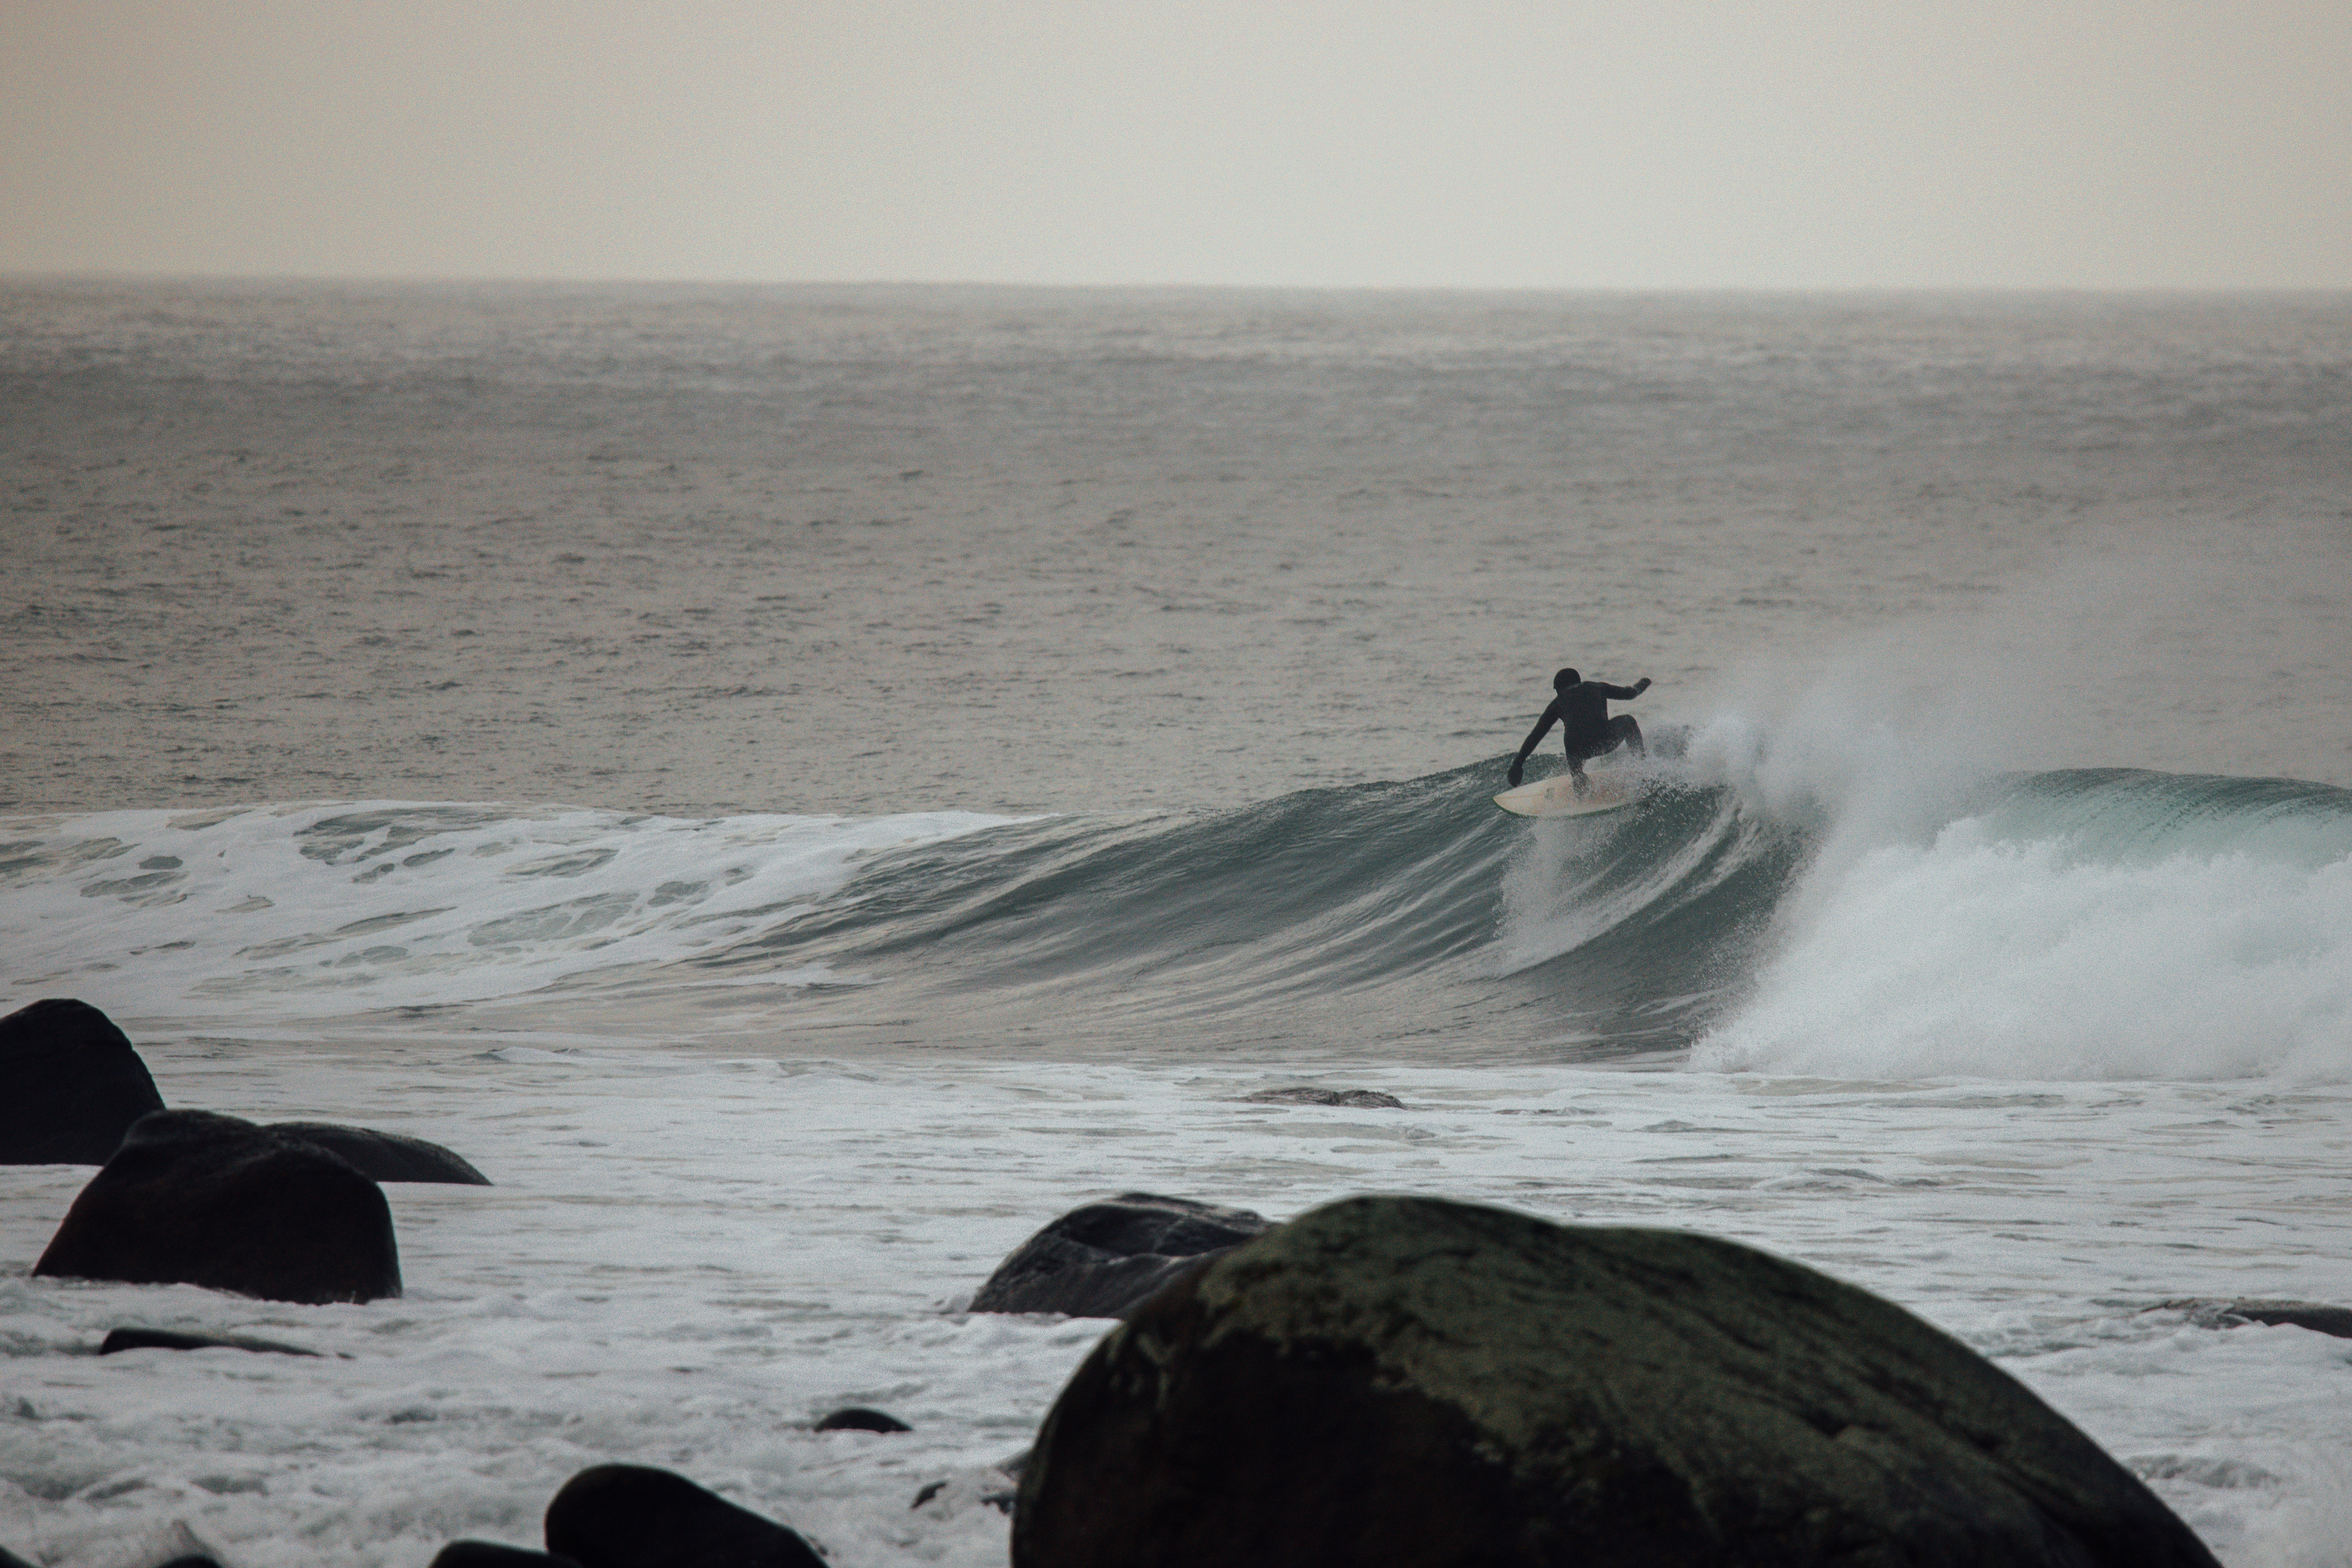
(2105, 948)
(292, 912)
(686, 1260)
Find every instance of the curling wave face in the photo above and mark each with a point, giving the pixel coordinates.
(2058, 924)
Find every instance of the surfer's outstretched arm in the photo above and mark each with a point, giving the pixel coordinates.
(1550, 716)
(1621, 693)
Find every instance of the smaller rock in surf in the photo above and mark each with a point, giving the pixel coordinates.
(133, 1339)
(490, 1554)
(1105, 1259)
(972, 1488)
(2317, 1316)
(1354, 1099)
(386, 1156)
(633, 1516)
(71, 1085)
(193, 1197)
(857, 1418)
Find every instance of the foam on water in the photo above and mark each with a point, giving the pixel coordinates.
(686, 1260)
(1955, 919)
(292, 912)
(1990, 957)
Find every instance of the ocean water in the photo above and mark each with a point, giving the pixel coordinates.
(802, 786)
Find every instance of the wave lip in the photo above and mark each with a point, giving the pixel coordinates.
(2088, 924)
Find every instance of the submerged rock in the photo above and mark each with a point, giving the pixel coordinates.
(119, 1340)
(1356, 1099)
(2317, 1316)
(71, 1085)
(857, 1418)
(1103, 1260)
(196, 1198)
(386, 1156)
(1410, 1381)
(969, 1489)
(632, 1516)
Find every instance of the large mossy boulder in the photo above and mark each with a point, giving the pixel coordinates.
(71, 1085)
(1410, 1381)
(196, 1198)
(633, 1516)
(1107, 1258)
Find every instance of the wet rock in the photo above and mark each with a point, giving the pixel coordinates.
(971, 1489)
(1408, 1382)
(176, 1546)
(386, 1156)
(2316, 1316)
(631, 1516)
(172, 1546)
(119, 1340)
(71, 1085)
(489, 1554)
(956, 1494)
(1103, 1260)
(1356, 1099)
(996, 1485)
(857, 1418)
(196, 1198)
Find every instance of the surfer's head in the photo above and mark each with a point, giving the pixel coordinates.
(1564, 680)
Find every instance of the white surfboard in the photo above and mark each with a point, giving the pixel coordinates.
(1557, 796)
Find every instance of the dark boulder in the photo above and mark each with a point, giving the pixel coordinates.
(119, 1340)
(630, 1516)
(386, 1156)
(176, 1546)
(172, 1546)
(71, 1085)
(1105, 1259)
(1406, 1380)
(196, 1198)
(2317, 1316)
(1354, 1099)
(857, 1418)
(490, 1554)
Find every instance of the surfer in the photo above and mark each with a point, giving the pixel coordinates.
(1580, 709)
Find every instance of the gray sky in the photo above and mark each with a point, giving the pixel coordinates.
(1452, 143)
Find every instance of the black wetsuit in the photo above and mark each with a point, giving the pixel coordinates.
(1585, 728)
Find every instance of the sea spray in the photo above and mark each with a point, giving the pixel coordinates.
(2102, 926)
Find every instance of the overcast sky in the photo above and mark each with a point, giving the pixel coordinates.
(1647, 144)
